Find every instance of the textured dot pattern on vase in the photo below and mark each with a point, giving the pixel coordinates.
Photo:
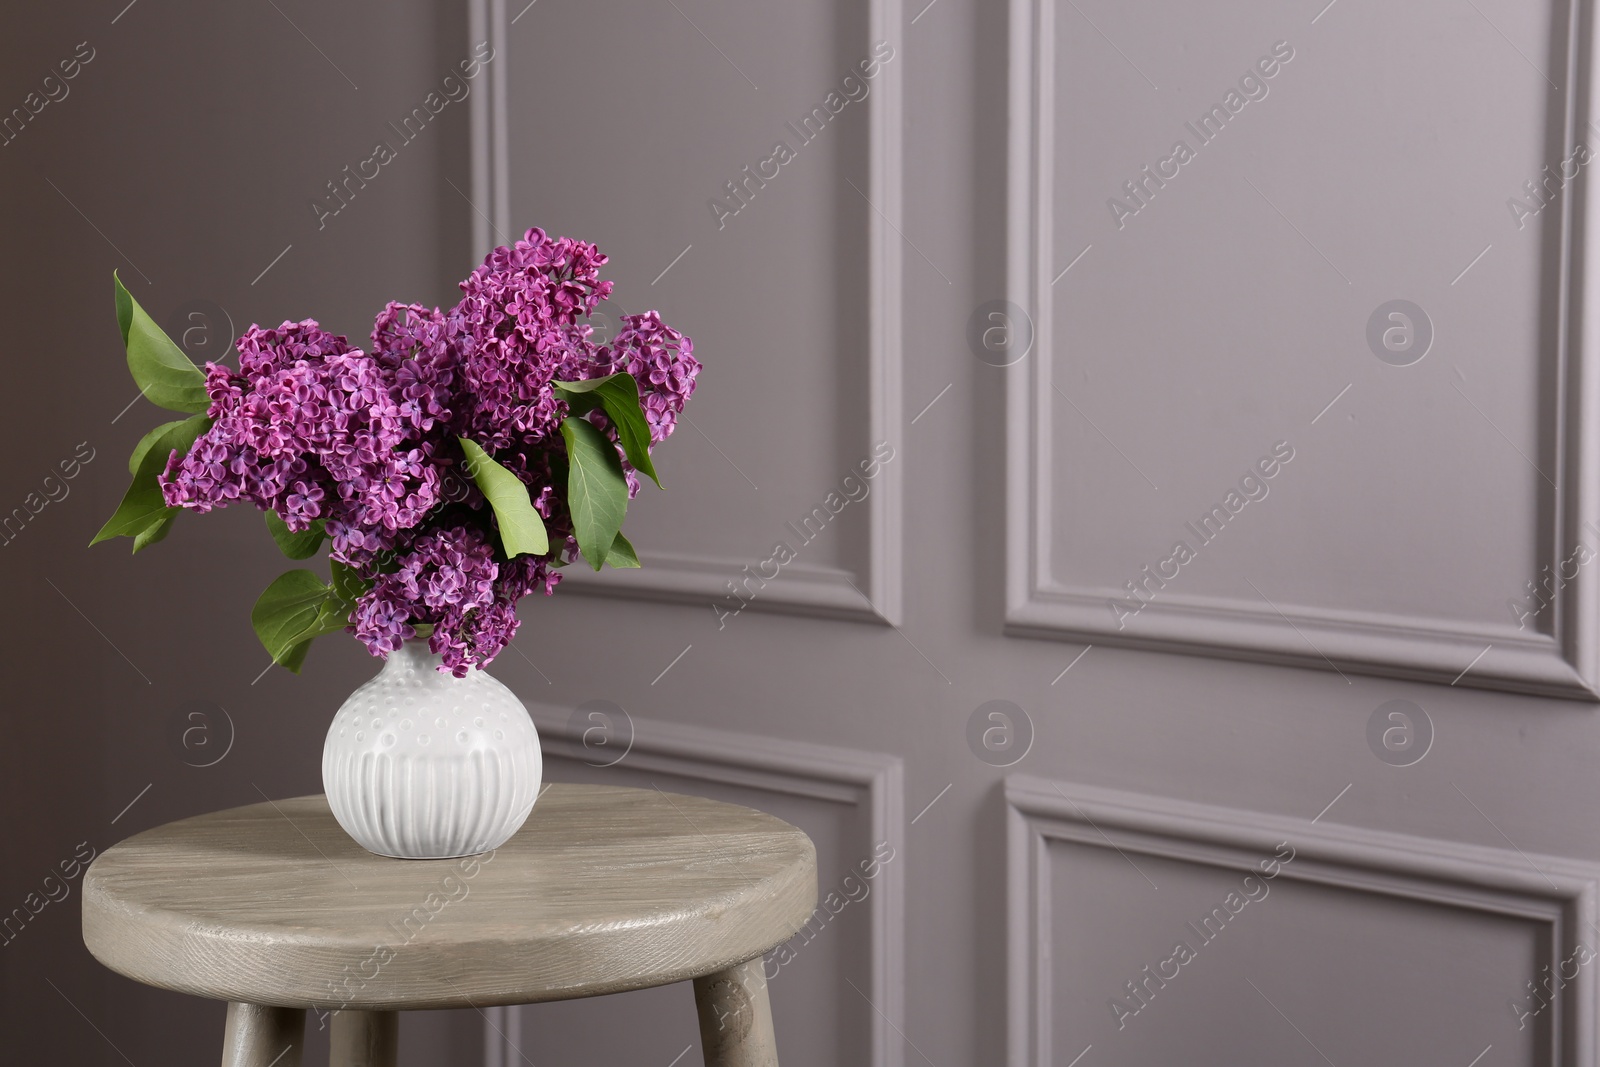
(397, 793)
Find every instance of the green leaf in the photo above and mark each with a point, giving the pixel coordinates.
(618, 395)
(521, 528)
(296, 545)
(597, 493)
(157, 530)
(622, 553)
(287, 611)
(125, 306)
(164, 374)
(348, 585)
(333, 617)
(148, 440)
(295, 658)
(294, 610)
(143, 503)
(580, 395)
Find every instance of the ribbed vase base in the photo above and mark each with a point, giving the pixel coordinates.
(420, 764)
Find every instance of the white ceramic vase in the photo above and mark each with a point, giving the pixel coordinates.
(420, 764)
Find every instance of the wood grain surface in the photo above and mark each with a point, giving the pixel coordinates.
(364, 1039)
(255, 1036)
(603, 889)
(736, 1017)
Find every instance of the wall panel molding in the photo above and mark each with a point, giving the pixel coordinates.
(1557, 893)
(1565, 663)
(871, 781)
(834, 592)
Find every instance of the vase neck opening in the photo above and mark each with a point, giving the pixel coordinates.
(414, 652)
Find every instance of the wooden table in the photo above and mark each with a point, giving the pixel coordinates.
(272, 908)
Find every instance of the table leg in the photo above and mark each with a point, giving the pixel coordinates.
(258, 1036)
(365, 1039)
(736, 1017)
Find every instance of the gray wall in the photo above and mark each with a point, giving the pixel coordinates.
(1169, 753)
(193, 142)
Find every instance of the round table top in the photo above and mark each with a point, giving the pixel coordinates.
(603, 889)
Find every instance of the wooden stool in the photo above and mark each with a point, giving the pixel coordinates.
(272, 908)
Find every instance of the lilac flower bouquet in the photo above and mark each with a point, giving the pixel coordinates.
(451, 469)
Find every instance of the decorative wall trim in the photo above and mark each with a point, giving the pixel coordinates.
(680, 578)
(1558, 893)
(828, 591)
(1565, 664)
(488, 141)
(868, 780)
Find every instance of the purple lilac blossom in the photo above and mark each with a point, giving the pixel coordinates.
(366, 442)
(312, 429)
(449, 579)
(517, 327)
(662, 361)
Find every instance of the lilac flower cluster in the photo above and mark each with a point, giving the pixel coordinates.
(662, 361)
(519, 330)
(365, 443)
(312, 429)
(451, 578)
